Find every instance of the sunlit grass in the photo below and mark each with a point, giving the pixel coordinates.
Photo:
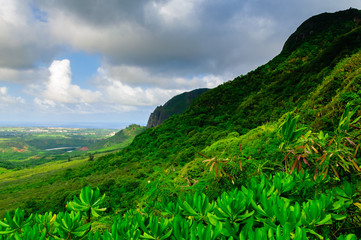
(19, 186)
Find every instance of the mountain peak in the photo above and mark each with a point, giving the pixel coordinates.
(174, 106)
(323, 25)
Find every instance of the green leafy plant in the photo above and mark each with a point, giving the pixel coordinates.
(233, 207)
(323, 153)
(15, 222)
(288, 130)
(267, 207)
(345, 121)
(198, 207)
(155, 229)
(70, 226)
(89, 202)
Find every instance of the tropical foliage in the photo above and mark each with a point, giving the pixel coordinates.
(268, 207)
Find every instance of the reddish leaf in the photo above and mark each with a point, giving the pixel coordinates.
(324, 176)
(352, 143)
(299, 168)
(331, 140)
(293, 166)
(315, 175)
(323, 158)
(286, 155)
(314, 149)
(202, 155)
(305, 161)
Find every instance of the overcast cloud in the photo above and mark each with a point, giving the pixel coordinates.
(149, 50)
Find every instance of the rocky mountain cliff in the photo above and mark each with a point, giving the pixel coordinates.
(176, 105)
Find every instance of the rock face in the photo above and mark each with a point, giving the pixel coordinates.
(176, 105)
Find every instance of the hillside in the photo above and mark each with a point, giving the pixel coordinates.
(315, 77)
(120, 140)
(284, 136)
(175, 106)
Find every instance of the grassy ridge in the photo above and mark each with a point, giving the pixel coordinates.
(120, 140)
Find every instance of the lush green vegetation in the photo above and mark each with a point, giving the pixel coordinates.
(28, 146)
(120, 140)
(281, 206)
(272, 154)
(44, 186)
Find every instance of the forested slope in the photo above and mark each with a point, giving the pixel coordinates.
(316, 73)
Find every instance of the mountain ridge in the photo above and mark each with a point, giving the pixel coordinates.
(261, 96)
(175, 106)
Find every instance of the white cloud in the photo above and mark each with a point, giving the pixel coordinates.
(119, 88)
(44, 103)
(136, 76)
(6, 99)
(118, 92)
(208, 81)
(60, 90)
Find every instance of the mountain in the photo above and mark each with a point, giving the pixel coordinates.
(241, 129)
(176, 105)
(315, 74)
(118, 140)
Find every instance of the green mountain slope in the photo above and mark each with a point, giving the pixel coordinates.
(315, 74)
(120, 140)
(233, 128)
(177, 105)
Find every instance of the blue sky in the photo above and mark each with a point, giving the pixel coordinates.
(110, 63)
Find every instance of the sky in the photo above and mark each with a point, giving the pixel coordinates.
(109, 63)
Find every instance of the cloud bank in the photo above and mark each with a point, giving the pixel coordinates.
(149, 50)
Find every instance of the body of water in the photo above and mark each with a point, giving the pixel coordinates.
(61, 148)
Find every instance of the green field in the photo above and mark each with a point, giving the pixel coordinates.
(24, 147)
(34, 176)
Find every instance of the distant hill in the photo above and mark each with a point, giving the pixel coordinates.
(120, 140)
(177, 105)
